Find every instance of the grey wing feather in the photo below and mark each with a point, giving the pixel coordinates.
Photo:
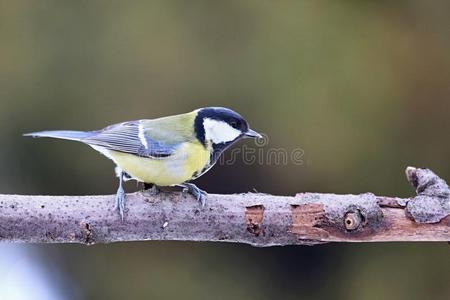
(126, 137)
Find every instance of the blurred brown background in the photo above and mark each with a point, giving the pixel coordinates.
(363, 87)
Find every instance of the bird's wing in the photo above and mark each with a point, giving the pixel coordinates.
(131, 137)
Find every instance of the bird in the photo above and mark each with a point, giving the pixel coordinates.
(166, 151)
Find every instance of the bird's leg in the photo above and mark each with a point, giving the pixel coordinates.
(150, 189)
(192, 189)
(120, 196)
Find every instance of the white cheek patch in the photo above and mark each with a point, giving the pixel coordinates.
(219, 131)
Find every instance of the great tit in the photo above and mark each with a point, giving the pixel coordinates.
(168, 151)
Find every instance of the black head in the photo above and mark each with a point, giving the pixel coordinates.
(221, 126)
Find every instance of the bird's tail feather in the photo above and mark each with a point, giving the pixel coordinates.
(61, 134)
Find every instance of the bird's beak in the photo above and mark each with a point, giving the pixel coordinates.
(252, 134)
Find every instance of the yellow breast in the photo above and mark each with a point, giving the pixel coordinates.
(189, 158)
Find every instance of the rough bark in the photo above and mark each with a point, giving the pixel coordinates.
(256, 219)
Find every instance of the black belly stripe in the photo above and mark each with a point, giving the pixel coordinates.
(217, 150)
(197, 174)
(126, 175)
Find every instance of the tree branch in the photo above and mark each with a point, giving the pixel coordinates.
(256, 219)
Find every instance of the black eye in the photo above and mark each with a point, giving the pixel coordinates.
(234, 124)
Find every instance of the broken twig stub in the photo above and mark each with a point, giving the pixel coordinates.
(432, 203)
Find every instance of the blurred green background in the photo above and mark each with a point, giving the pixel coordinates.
(363, 87)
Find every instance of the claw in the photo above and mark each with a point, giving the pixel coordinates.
(199, 194)
(202, 199)
(120, 202)
(120, 198)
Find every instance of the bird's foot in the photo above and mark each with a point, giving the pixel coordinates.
(199, 194)
(120, 201)
(150, 190)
